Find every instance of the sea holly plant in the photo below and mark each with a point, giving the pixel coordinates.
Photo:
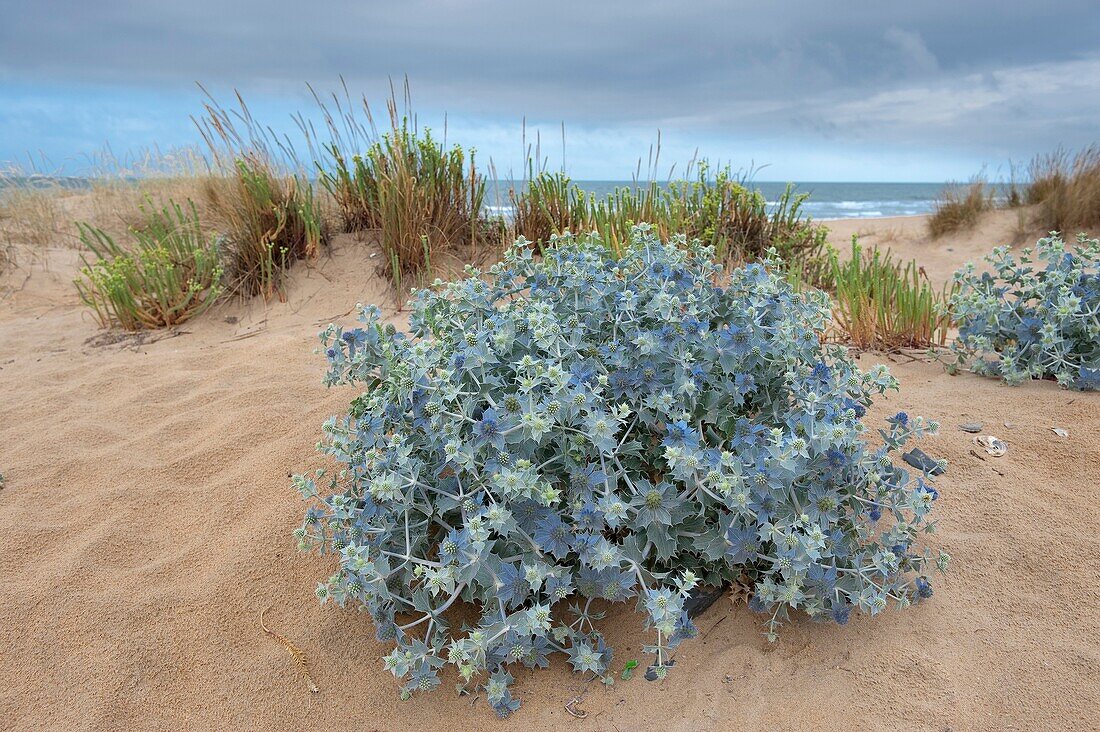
(552, 436)
(1032, 316)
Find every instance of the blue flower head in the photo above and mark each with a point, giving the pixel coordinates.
(489, 430)
(901, 419)
(681, 434)
(924, 487)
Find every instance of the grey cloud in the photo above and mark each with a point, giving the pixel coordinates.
(872, 71)
(914, 53)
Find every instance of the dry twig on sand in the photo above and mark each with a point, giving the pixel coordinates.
(295, 651)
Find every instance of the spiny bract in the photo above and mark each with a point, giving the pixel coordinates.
(1025, 320)
(587, 428)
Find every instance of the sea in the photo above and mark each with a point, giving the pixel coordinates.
(825, 200)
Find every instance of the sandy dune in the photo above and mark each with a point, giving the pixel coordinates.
(147, 514)
(907, 237)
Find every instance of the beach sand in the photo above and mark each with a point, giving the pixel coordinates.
(147, 515)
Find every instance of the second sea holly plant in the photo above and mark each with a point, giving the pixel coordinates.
(554, 435)
(1034, 315)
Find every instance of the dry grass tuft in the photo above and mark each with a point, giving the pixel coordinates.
(41, 210)
(960, 207)
(549, 204)
(269, 220)
(421, 196)
(31, 212)
(1066, 190)
(261, 199)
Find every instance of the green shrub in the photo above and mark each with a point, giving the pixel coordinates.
(172, 273)
(550, 204)
(720, 211)
(880, 304)
(419, 195)
(726, 214)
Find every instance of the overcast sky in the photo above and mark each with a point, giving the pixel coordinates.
(924, 90)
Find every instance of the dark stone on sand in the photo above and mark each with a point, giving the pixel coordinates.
(920, 460)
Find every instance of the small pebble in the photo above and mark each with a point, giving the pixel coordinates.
(972, 427)
(1059, 431)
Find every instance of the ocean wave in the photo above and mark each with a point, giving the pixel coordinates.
(845, 203)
